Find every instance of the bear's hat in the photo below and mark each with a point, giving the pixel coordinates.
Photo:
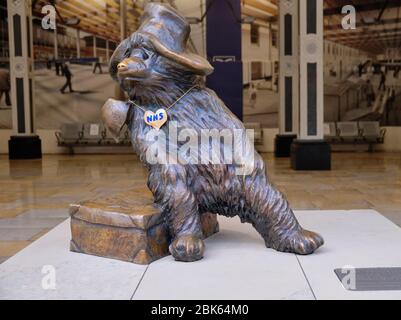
(168, 31)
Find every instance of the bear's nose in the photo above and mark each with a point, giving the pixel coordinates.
(122, 66)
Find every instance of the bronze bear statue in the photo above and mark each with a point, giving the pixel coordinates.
(154, 68)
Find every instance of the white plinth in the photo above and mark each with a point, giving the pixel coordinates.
(236, 265)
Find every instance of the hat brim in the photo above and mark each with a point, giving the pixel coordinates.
(193, 62)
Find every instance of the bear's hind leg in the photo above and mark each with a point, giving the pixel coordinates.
(301, 242)
(275, 221)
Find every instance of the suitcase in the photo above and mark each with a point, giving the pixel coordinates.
(125, 226)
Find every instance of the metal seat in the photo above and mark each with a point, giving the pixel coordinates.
(93, 133)
(69, 134)
(255, 126)
(371, 131)
(330, 131)
(348, 131)
(90, 135)
(122, 139)
(108, 138)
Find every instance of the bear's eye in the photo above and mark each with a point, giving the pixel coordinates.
(145, 55)
(140, 53)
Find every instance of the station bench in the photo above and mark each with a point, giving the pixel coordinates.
(89, 135)
(352, 132)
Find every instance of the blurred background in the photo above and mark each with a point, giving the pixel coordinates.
(88, 32)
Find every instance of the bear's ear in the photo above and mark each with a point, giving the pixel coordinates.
(122, 52)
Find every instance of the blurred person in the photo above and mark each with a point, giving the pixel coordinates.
(382, 85)
(48, 63)
(397, 72)
(98, 66)
(253, 95)
(59, 67)
(5, 85)
(370, 93)
(390, 105)
(360, 69)
(68, 76)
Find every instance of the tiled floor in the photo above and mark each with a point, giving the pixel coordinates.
(34, 195)
(236, 265)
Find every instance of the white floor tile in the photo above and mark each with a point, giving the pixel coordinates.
(361, 239)
(78, 276)
(237, 265)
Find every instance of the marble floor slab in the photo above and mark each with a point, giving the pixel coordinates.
(18, 234)
(236, 265)
(9, 248)
(46, 269)
(358, 239)
(21, 222)
(45, 214)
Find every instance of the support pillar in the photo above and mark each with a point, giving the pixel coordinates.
(123, 19)
(78, 35)
(94, 47)
(310, 151)
(119, 93)
(24, 143)
(55, 43)
(107, 51)
(223, 36)
(270, 43)
(289, 77)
